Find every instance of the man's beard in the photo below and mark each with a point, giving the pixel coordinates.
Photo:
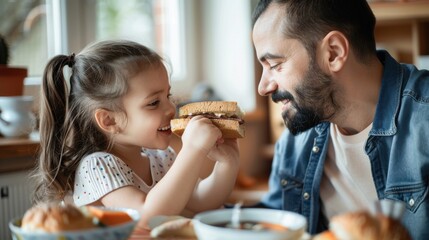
(314, 101)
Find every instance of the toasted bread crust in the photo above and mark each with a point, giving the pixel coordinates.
(229, 128)
(210, 106)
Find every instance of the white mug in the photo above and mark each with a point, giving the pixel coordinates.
(16, 117)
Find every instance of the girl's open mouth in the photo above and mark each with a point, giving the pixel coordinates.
(166, 129)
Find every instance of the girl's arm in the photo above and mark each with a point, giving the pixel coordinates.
(214, 190)
(172, 193)
(168, 197)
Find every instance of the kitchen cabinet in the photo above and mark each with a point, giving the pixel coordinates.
(403, 29)
(18, 153)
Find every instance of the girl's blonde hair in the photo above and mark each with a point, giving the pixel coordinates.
(68, 130)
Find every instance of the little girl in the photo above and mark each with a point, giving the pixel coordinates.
(105, 137)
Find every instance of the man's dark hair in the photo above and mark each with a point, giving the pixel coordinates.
(310, 20)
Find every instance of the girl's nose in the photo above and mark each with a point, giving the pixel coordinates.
(171, 110)
(267, 85)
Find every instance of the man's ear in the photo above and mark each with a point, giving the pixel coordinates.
(106, 120)
(335, 50)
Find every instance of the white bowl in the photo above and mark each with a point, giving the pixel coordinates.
(205, 229)
(117, 232)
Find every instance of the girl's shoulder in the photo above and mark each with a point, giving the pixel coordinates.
(101, 158)
(160, 160)
(159, 154)
(98, 155)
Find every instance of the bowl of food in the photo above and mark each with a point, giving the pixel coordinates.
(250, 224)
(53, 221)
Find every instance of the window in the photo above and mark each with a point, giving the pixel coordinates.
(23, 25)
(39, 29)
(154, 23)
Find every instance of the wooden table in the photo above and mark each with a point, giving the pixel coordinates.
(140, 234)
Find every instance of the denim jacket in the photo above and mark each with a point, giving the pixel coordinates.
(397, 146)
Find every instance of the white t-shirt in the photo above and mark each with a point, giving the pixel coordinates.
(101, 172)
(347, 183)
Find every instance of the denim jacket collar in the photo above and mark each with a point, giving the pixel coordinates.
(389, 98)
(321, 127)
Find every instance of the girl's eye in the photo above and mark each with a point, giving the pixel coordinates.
(169, 95)
(154, 103)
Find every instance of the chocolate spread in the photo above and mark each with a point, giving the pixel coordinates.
(216, 116)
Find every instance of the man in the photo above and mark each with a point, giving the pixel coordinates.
(357, 120)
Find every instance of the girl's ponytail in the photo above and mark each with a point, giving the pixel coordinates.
(54, 104)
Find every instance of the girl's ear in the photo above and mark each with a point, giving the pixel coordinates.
(335, 50)
(106, 121)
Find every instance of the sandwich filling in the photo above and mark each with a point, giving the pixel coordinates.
(213, 115)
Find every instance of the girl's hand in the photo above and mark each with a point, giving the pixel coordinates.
(225, 151)
(200, 133)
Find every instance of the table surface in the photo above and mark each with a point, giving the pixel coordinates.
(140, 234)
(145, 235)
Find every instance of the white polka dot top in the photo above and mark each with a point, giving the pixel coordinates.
(100, 173)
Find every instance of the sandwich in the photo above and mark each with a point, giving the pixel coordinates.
(227, 116)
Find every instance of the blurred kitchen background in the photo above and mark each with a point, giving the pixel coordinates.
(208, 44)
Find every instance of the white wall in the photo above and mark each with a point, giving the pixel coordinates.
(227, 50)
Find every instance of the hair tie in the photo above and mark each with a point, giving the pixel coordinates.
(70, 60)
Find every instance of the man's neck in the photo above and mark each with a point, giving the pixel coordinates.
(361, 86)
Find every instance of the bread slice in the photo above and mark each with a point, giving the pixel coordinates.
(229, 128)
(224, 107)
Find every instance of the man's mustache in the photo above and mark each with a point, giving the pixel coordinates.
(278, 96)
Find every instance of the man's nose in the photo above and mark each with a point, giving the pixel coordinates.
(267, 84)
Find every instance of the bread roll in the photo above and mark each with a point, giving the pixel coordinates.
(362, 225)
(355, 225)
(55, 218)
(179, 228)
(392, 229)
